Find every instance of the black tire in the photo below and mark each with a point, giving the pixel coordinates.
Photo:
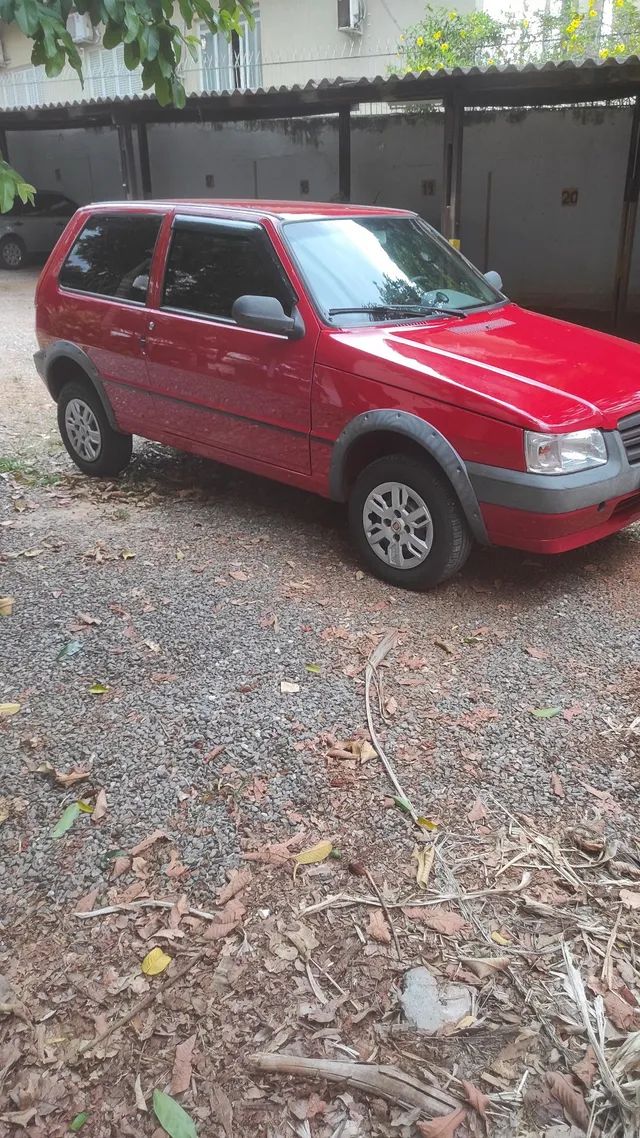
(452, 540)
(12, 252)
(113, 448)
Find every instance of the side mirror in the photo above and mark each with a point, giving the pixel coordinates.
(494, 279)
(266, 314)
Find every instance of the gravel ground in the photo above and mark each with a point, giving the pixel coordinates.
(238, 584)
(187, 593)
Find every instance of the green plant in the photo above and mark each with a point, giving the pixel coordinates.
(446, 38)
(154, 41)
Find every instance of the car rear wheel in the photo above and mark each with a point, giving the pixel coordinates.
(12, 253)
(407, 524)
(92, 443)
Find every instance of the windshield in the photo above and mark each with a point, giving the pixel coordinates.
(379, 266)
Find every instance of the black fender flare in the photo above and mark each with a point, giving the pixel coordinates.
(431, 441)
(65, 350)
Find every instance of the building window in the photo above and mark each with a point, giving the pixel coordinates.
(105, 75)
(233, 64)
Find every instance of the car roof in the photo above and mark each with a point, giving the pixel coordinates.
(283, 210)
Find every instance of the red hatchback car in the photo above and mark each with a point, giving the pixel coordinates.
(349, 351)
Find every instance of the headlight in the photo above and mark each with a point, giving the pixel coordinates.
(564, 454)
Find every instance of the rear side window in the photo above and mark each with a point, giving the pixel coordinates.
(112, 257)
(209, 268)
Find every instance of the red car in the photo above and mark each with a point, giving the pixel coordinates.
(348, 351)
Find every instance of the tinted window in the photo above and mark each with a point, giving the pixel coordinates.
(208, 270)
(112, 257)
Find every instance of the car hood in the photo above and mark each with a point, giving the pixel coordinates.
(518, 366)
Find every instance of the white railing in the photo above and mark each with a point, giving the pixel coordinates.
(105, 74)
(22, 87)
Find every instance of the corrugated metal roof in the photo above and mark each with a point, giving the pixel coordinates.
(509, 85)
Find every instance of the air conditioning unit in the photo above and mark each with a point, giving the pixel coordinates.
(80, 28)
(351, 14)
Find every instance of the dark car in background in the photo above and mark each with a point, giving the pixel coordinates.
(28, 230)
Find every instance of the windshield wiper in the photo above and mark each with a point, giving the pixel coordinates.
(412, 309)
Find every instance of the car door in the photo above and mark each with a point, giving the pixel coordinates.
(101, 306)
(237, 390)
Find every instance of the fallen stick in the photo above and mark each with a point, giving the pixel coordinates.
(381, 649)
(140, 1006)
(372, 1078)
(344, 900)
(133, 905)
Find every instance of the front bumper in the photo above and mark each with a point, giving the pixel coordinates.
(554, 513)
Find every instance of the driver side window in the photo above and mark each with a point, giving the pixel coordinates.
(208, 268)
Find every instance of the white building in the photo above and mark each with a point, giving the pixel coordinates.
(291, 41)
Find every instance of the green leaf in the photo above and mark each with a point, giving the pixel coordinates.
(66, 821)
(84, 807)
(172, 1117)
(546, 712)
(98, 689)
(131, 55)
(69, 649)
(78, 1122)
(404, 804)
(149, 40)
(112, 35)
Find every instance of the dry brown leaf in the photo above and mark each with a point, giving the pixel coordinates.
(484, 966)
(476, 1098)
(424, 856)
(100, 808)
(536, 653)
(139, 1096)
(508, 1061)
(86, 903)
(278, 853)
(621, 1014)
(120, 865)
(443, 1127)
(181, 1074)
(630, 899)
(218, 930)
(570, 1099)
(378, 928)
(175, 867)
(315, 1105)
(6, 606)
(146, 842)
(238, 880)
(303, 938)
(478, 811)
(221, 1106)
(238, 575)
(587, 1068)
(556, 785)
(64, 778)
(439, 919)
(391, 705)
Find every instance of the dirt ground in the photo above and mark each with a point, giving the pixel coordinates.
(183, 713)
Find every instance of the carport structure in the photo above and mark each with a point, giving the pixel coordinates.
(554, 84)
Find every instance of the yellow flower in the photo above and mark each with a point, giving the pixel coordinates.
(603, 53)
(619, 3)
(444, 46)
(437, 35)
(420, 41)
(453, 15)
(490, 62)
(525, 23)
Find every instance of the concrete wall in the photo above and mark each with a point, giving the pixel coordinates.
(549, 254)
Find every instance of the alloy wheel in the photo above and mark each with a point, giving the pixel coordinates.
(398, 525)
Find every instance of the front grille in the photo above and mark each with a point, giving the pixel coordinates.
(630, 433)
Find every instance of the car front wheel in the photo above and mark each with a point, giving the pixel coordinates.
(92, 443)
(407, 524)
(12, 253)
